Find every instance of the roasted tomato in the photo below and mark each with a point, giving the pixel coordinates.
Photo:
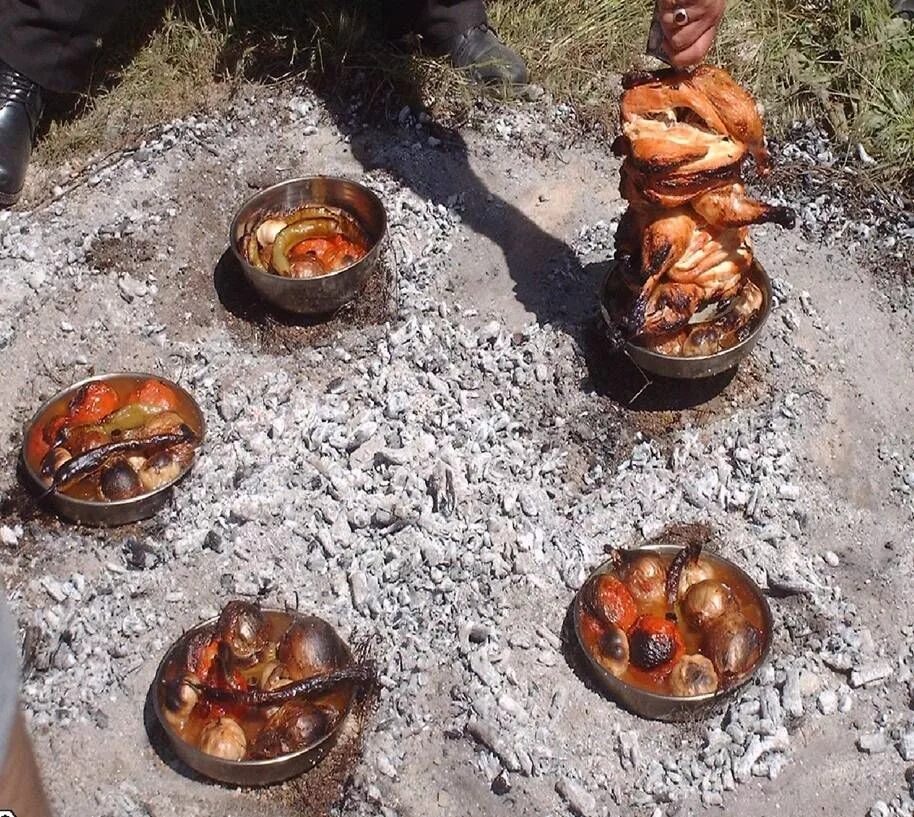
(52, 429)
(591, 630)
(156, 394)
(37, 446)
(610, 601)
(202, 650)
(321, 248)
(91, 403)
(606, 643)
(655, 643)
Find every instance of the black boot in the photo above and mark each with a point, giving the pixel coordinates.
(485, 58)
(20, 109)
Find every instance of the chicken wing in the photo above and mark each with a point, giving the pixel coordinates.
(737, 109)
(731, 206)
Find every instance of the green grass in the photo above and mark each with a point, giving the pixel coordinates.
(846, 63)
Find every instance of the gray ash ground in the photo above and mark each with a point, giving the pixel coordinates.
(443, 473)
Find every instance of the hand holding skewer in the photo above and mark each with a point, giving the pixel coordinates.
(689, 28)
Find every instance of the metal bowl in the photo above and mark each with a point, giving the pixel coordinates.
(114, 512)
(693, 368)
(250, 772)
(312, 296)
(654, 705)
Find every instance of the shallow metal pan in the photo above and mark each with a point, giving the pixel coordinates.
(249, 772)
(693, 368)
(114, 512)
(653, 705)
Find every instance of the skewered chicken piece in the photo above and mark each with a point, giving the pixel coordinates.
(731, 206)
(666, 309)
(679, 148)
(657, 239)
(659, 96)
(683, 247)
(706, 99)
(715, 336)
(650, 191)
(713, 260)
(680, 281)
(671, 305)
(738, 109)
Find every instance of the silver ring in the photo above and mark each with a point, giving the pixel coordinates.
(681, 17)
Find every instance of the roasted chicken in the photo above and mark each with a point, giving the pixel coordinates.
(683, 244)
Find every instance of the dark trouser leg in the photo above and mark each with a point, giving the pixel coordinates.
(440, 20)
(55, 42)
(456, 28)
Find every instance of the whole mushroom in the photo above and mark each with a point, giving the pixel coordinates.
(694, 572)
(306, 650)
(693, 675)
(645, 577)
(180, 699)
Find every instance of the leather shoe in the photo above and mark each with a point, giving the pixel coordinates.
(485, 58)
(21, 106)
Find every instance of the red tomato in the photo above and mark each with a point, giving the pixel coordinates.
(612, 602)
(154, 393)
(205, 660)
(37, 447)
(656, 645)
(591, 631)
(52, 429)
(91, 403)
(210, 711)
(320, 247)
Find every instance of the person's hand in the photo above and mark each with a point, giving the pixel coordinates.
(689, 28)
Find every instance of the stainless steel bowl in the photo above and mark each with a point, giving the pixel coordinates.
(312, 296)
(114, 512)
(693, 368)
(250, 772)
(653, 705)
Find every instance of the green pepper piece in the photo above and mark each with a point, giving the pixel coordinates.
(295, 234)
(128, 418)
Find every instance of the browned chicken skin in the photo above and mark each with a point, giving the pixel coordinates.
(706, 99)
(683, 244)
(731, 206)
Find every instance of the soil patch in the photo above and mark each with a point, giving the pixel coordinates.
(256, 324)
(111, 253)
(657, 406)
